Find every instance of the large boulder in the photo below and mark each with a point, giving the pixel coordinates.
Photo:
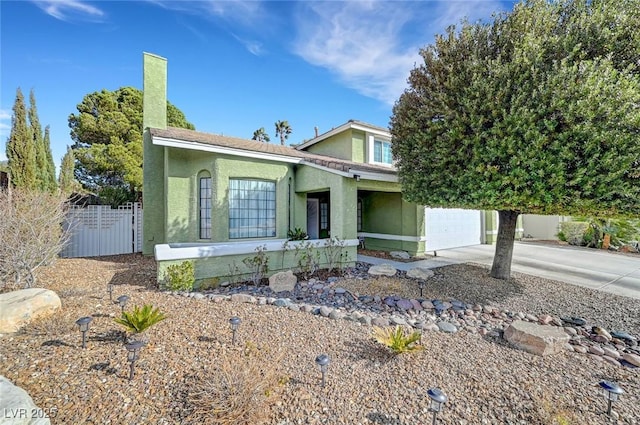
(18, 408)
(420, 273)
(283, 281)
(382, 270)
(17, 308)
(536, 339)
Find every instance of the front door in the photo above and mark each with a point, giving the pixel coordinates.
(313, 218)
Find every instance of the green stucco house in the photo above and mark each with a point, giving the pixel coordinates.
(215, 199)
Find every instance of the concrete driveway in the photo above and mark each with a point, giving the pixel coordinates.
(591, 268)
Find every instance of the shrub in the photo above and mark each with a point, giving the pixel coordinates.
(140, 319)
(573, 232)
(32, 234)
(239, 389)
(396, 339)
(258, 264)
(180, 277)
(297, 234)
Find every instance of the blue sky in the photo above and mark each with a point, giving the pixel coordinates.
(233, 66)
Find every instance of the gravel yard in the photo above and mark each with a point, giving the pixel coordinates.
(486, 380)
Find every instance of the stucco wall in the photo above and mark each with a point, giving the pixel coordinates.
(337, 146)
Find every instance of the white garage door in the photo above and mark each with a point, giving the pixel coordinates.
(452, 228)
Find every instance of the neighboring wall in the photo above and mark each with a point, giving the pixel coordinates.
(542, 226)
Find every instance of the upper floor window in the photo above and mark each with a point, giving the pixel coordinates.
(204, 203)
(382, 152)
(252, 209)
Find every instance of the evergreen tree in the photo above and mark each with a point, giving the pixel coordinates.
(52, 183)
(21, 151)
(42, 170)
(67, 180)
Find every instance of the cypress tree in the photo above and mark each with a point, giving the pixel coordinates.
(52, 184)
(42, 170)
(66, 179)
(21, 151)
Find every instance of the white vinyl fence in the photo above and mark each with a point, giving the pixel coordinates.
(100, 230)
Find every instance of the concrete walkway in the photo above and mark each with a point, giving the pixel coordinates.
(591, 268)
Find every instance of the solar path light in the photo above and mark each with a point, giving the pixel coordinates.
(323, 361)
(83, 324)
(122, 301)
(235, 323)
(438, 399)
(133, 352)
(611, 392)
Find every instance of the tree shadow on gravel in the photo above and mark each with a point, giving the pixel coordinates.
(111, 336)
(103, 367)
(383, 419)
(471, 284)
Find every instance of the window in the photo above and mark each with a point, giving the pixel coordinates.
(382, 152)
(204, 202)
(324, 215)
(252, 209)
(359, 217)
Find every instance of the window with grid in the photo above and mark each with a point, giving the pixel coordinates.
(359, 216)
(382, 152)
(324, 216)
(252, 209)
(205, 207)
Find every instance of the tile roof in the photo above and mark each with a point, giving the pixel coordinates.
(192, 136)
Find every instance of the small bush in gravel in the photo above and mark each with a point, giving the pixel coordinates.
(397, 340)
(140, 319)
(239, 390)
(180, 277)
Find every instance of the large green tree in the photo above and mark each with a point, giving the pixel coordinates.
(535, 112)
(21, 151)
(66, 179)
(107, 131)
(52, 183)
(260, 135)
(45, 170)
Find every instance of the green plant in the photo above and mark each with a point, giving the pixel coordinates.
(234, 272)
(308, 258)
(397, 340)
(140, 319)
(573, 232)
(297, 234)
(180, 277)
(334, 252)
(258, 264)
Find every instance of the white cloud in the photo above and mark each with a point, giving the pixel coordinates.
(68, 10)
(372, 45)
(253, 46)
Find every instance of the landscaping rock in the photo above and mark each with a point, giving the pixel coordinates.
(17, 406)
(17, 308)
(401, 255)
(634, 359)
(447, 327)
(536, 339)
(419, 273)
(382, 270)
(283, 281)
(243, 298)
(404, 304)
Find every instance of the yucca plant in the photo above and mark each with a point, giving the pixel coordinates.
(140, 319)
(396, 339)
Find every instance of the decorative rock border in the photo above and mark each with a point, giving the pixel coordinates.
(326, 299)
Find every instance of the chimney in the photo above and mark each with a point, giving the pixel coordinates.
(316, 129)
(154, 88)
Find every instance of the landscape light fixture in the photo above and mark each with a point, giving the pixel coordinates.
(133, 352)
(122, 301)
(235, 323)
(421, 284)
(110, 291)
(611, 392)
(323, 361)
(83, 323)
(438, 399)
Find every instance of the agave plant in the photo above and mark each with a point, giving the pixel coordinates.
(396, 339)
(140, 319)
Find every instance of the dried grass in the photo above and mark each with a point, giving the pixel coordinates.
(239, 390)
